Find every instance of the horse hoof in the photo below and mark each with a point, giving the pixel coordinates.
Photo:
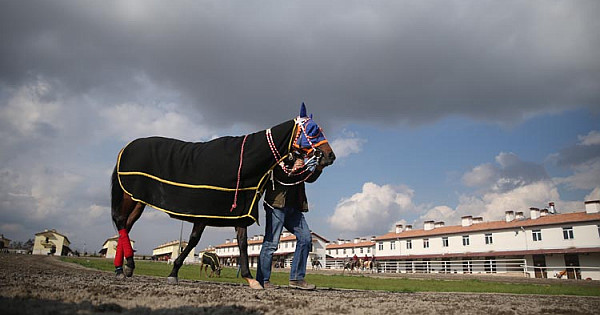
(172, 280)
(254, 284)
(128, 271)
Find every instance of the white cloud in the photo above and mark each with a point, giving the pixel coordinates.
(29, 110)
(492, 205)
(373, 210)
(583, 159)
(132, 120)
(347, 144)
(439, 213)
(509, 173)
(592, 138)
(594, 195)
(481, 175)
(586, 176)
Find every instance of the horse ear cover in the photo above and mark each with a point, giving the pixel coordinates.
(303, 110)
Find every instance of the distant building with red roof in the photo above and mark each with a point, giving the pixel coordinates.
(547, 243)
(282, 256)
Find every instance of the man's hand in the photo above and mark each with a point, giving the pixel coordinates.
(298, 164)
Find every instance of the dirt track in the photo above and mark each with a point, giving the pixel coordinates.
(45, 285)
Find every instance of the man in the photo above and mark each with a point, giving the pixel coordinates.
(285, 201)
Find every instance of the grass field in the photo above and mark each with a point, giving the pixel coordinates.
(192, 272)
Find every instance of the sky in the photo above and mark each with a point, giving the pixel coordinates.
(435, 109)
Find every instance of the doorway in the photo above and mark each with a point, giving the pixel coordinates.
(572, 261)
(539, 261)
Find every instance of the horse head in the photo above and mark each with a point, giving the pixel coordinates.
(310, 142)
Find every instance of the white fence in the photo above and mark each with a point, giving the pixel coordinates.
(514, 266)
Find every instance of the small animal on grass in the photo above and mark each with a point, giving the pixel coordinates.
(316, 264)
(212, 260)
(214, 183)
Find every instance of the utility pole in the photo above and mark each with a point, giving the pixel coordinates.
(180, 236)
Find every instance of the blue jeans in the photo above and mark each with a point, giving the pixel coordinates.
(293, 220)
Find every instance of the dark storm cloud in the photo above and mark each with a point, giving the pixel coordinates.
(389, 62)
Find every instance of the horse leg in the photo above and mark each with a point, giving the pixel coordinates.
(194, 238)
(127, 249)
(242, 238)
(124, 216)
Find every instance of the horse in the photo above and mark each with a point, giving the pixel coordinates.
(212, 260)
(214, 183)
(370, 265)
(351, 265)
(316, 264)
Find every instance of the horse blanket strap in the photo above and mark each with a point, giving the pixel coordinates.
(202, 179)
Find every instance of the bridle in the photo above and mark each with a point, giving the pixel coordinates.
(301, 123)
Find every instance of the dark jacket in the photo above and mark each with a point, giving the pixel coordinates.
(279, 196)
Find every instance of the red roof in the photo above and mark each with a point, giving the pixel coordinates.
(550, 219)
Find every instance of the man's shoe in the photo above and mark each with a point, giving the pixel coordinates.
(301, 284)
(269, 286)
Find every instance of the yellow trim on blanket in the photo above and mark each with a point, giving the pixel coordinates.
(184, 185)
(259, 189)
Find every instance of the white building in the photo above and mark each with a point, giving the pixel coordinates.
(283, 256)
(543, 245)
(343, 249)
(51, 242)
(170, 251)
(109, 248)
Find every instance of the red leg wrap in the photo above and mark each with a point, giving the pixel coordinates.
(119, 254)
(126, 243)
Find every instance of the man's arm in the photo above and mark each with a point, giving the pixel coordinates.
(313, 177)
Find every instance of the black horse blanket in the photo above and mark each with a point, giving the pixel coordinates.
(190, 180)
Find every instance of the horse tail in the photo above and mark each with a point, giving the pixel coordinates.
(116, 195)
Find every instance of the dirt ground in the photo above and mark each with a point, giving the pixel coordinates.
(45, 285)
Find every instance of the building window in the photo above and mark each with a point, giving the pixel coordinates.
(380, 246)
(568, 233)
(361, 250)
(537, 235)
(425, 243)
(392, 245)
(352, 250)
(344, 251)
(599, 230)
(368, 250)
(445, 241)
(336, 252)
(465, 239)
(409, 244)
(489, 239)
